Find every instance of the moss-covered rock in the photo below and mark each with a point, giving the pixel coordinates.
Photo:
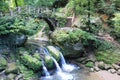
(49, 62)
(31, 62)
(11, 76)
(89, 64)
(11, 68)
(3, 63)
(27, 74)
(37, 55)
(54, 52)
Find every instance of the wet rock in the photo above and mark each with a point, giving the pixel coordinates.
(91, 69)
(118, 72)
(112, 71)
(49, 62)
(14, 39)
(54, 52)
(81, 60)
(116, 67)
(19, 39)
(118, 63)
(107, 67)
(71, 49)
(101, 65)
(18, 77)
(3, 63)
(11, 76)
(11, 68)
(31, 62)
(96, 68)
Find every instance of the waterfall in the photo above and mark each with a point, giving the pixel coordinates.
(65, 66)
(45, 70)
(62, 59)
(57, 65)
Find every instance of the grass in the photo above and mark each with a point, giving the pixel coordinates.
(108, 56)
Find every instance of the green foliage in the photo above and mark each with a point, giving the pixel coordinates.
(116, 30)
(27, 73)
(74, 36)
(62, 21)
(3, 63)
(5, 25)
(80, 6)
(3, 6)
(49, 62)
(104, 45)
(89, 64)
(31, 62)
(117, 4)
(94, 26)
(25, 25)
(105, 6)
(114, 56)
(47, 3)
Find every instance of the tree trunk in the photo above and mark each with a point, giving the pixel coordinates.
(16, 3)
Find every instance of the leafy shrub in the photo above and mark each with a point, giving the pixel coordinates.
(89, 64)
(105, 6)
(79, 6)
(5, 25)
(113, 56)
(74, 36)
(116, 29)
(62, 21)
(31, 62)
(25, 25)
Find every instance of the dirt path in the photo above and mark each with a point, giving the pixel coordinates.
(103, 75)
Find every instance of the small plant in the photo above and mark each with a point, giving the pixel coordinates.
(115, 31)
(89, 64)
(113, 56)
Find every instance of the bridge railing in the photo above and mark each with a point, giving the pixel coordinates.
(26, 10)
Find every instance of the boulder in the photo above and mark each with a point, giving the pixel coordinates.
(101, 65)
(112, 71)
(49, 62)
(96, 68)
(3, 63)
(72, 50)
(11, 76)
(11, 68)
(54, 52)
(14, 39)
(107, 66)
(18, 39)
(69, 41)
(118, 72)
(116, 67)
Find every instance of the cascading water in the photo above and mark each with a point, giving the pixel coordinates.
(61, 74)
(66, 67)
(57, 65)
(45, 69)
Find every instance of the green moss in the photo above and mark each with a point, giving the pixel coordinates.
(89, 64)
(28, 74)
(49, 62)
(31, 62)
(73, 36)
(54, 52)
(3, 63)
(37, 55)
(108, 56)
